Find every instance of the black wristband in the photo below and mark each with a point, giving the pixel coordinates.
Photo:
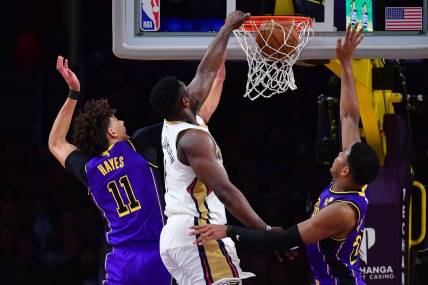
(228, 229)
(72, 94)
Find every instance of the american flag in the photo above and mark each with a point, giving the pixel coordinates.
(403, 18)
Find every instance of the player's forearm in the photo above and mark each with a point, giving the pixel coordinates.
(239, 207)
(62, 123)
(212, 60)
(348, 97)
(284, 241)
(211, 103)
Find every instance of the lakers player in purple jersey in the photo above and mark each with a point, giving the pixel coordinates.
(122, 176)
(333, 234)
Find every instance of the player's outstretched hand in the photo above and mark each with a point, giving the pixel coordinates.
(345, 48)
(68, 75)
(208, 232)
(236, 19)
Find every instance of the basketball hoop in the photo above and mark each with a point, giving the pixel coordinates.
(272, 45)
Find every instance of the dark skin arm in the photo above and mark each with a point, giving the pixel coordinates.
(336, 220)
(213, 58)
(197, 149)
(339, 218)
(349, 112)
(211, 103)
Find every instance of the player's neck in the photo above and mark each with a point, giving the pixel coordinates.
(115, 140)
(187, 116)
(343, 186)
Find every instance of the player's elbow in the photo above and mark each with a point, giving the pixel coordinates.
(223, 193)
(55, 144)
(350, 116)
(52, 144)
(206, 73)
(307, 230)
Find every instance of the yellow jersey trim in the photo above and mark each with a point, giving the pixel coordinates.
(358, 219)
(106, 152)
(153, 165)
(131, 144)
(173, 122)
(178, 122)
(361, 192)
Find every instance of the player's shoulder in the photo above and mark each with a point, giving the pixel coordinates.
(194, 139)
(77, 156)
(193, 136)
(343, 207)
(129, 142)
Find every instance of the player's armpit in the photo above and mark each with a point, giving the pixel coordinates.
(61, 150)
(336, 220)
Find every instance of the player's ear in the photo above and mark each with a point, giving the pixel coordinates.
(111, 133)
(185, 101)
(346, 171)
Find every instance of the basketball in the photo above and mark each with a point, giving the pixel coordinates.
(277, 40)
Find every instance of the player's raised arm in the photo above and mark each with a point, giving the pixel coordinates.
(349, 112)
(58, 144)
(199, 149)
(210, 63)
(211, 103)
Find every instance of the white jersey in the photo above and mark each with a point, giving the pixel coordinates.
(190, 202)
(185, 193)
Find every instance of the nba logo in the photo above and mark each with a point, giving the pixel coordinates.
(150, 15)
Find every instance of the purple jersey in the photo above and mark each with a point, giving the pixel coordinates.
(336, 261)
(122, 184)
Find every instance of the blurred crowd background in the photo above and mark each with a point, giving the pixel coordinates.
(50, 231)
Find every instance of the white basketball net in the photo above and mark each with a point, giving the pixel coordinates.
(268, 75)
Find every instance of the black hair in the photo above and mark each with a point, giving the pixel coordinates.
(90, 127)
(364, 163)
(165, 96)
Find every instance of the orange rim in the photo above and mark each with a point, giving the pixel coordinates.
(256, 21)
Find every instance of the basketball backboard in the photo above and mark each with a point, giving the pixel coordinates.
(183, 29)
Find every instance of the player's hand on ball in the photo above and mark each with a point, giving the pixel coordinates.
(205, 233)
(68, 75)
(345, 48)
(236, 19)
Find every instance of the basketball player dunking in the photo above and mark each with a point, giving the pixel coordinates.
(333, 234)
(197, 185)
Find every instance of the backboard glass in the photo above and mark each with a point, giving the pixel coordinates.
(183, 29)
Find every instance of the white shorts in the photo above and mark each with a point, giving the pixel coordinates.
(190, 264)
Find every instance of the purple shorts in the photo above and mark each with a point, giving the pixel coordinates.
(136, 265)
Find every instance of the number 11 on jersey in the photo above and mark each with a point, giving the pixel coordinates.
(122, 208)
